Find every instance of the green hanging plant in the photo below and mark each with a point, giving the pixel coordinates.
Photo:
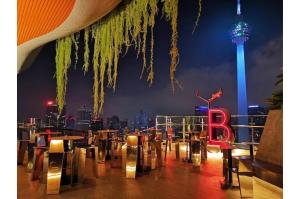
(170, 10)
(125, 26)
(199, 14)
(75, 41)
(153, 12)
(86, 50)
(63, 62)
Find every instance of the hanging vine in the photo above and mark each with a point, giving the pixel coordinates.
(126, 25)
(86, 50)
(75, 41)
(170, 11)
(63, 62)
(153, 12)
(198, 16)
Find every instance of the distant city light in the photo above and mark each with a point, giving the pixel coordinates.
(202, 108)
(253, 106)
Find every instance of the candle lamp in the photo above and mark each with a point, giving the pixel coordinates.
(183, 150)
(196, 150)
(124, 156)
(196, 158)
(132, 152)
(56, 146)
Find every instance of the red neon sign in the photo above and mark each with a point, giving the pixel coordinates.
(219, 119)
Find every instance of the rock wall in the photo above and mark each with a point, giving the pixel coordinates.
(270, 147)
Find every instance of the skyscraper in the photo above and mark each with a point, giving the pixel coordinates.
(113, 122)
(240, 34)
(257, 117)
(201, 110)
(83, 118)
(141, 120)
(52, 117)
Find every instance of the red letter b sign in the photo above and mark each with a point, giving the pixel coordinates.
(219, 129)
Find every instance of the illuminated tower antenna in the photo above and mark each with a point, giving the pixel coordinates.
(238, 9)
(239, 35)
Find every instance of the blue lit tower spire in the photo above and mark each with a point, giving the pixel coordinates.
(240, 34)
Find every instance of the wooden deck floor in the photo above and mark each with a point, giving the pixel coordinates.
(175, 180)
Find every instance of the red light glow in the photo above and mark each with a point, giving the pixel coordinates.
(223, 124)
(49, 103)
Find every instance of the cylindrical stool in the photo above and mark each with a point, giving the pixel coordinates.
(132, 153)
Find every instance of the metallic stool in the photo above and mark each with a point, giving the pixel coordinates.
(21, 151)
(116, 154)
(38, 161)
(94, 155)
(147, 154)
(78, 165)
(158, 149)
(124, 156)
(102, 146)
(196, 153)
(30, 157)
(132, 153)
(43, 179)
(56, 156)
(181, 150)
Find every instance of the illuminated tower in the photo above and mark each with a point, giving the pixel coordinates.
(240, 34)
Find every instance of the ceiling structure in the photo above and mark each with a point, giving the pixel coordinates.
(42, 21)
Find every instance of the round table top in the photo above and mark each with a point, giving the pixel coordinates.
(23, 140)
(68, 138)
(226, 146)
(189, 132)
(25, 126)
(248, 143)
(48, 133)
(49, 126)
(107, 131)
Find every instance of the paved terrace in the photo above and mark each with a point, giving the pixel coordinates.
(175, 180)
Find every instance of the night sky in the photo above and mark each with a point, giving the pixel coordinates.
(207, 62)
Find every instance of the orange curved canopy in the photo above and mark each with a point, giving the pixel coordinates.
(38, 17)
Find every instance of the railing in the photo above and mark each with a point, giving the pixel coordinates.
(185, 123)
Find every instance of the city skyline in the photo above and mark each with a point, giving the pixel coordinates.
(207, 62)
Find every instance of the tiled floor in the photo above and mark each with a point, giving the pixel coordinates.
(175, 180)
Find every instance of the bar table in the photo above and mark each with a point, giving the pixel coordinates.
(190, 133)
(251, 147)
(227, 165)
(39, 145)
(106, 134)
(46, 136)
(61, 156)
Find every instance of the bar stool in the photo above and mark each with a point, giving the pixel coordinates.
(23, 146)
(55, 165)
(102, 146)
(196, 150)
(66, 163)
(147, 153)
(116, 152)
(132, 153)
(92, 152)
(158, 149)
(169, 140)
(203, 140)
(38, 161)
